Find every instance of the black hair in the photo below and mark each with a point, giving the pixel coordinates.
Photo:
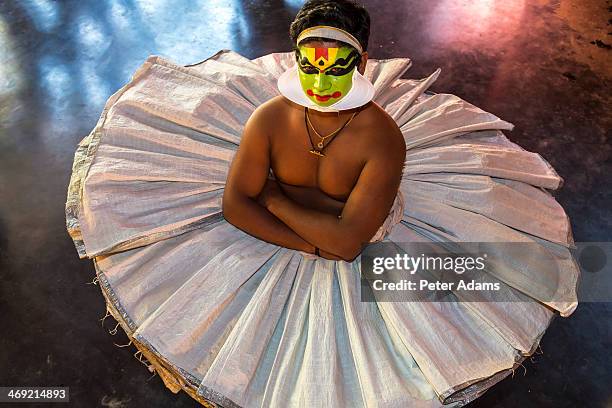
(344, 14)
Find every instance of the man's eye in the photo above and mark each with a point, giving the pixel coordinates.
(307, 69)
(335, 71)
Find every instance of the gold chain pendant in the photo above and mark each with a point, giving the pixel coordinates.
(320, 144)
(316, 153)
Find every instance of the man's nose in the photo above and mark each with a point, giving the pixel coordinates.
(321, 83)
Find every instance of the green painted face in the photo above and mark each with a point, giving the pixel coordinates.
(326, 74)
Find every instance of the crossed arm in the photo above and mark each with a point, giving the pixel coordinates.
(258, 206)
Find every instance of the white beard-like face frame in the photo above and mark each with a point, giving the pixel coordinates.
(361, 92)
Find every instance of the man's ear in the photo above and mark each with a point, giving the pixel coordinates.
(362, 64)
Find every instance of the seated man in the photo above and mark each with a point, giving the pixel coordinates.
(337, 173)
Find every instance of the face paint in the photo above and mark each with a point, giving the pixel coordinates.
(326, 74)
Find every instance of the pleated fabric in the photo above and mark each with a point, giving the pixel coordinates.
(245, 323)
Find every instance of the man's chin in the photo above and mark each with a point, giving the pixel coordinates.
(329, 102)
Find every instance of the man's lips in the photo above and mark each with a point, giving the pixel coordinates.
(323, 98)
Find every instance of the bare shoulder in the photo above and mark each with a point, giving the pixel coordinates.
(384, 135)
(271, 111)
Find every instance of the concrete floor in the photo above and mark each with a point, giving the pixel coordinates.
(531, 62)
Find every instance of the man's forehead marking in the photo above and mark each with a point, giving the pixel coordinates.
(323, 52)
(321, 57)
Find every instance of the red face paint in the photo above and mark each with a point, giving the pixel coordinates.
(324, 98)
(321, 52)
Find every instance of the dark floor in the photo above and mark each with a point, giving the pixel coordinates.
(531, 62)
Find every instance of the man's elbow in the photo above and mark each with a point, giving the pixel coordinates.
(228, 208)
(349, 250)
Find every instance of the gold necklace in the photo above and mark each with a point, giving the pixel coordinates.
(319, 153)
(320, 144)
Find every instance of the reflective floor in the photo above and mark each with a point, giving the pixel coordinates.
(543, 65)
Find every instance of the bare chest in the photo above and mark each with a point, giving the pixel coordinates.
(335, 174)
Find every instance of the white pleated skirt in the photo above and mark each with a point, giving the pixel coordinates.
(239, 322)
